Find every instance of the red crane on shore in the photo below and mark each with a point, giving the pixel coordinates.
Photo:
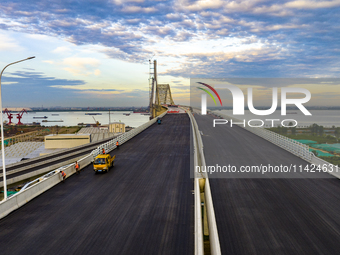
(19, 116)
(9, 116)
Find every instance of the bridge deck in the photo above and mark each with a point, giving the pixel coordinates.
(144, 205)
(268, 216)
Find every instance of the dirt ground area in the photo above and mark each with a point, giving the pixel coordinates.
(11, 131)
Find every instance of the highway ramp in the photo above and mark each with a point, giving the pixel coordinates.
(144, 205)
(269, 216)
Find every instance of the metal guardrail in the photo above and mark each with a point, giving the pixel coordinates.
(213, 233)
(69, 169)
(40, 179)
(296, 148)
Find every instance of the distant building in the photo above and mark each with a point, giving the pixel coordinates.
(17, 109)
(117, 127)
(97, 133)
(66, 141)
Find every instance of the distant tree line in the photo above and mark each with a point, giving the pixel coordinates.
(315, 130)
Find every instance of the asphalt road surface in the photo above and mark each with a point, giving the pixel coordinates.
(269, 215)
(144, 205)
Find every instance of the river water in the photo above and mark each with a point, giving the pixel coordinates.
(326, 118)
(73, 118)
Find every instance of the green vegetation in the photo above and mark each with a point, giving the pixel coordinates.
(333, 160)
(337, 132)
(315, 129)
(332, 148)
(308, 142)
(68, 130)
(322, 145)
(318, 139)
(280, 130)
(319, 153)
(314, 132)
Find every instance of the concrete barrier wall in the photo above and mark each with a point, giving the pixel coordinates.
(199, 241)
(326, 166)
(8, 206)
(27, 195)
(215, 247)
(23, 197)
(213, 233)
(39, 172)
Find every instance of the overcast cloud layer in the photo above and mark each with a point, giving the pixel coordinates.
(197, 38)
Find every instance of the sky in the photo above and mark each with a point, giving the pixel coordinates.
(97, 52)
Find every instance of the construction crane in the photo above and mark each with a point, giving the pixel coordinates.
(19, 116)
(9, 116)
(96, 122)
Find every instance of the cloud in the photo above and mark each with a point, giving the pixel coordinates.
(198, 5)
(121, 95)
(285, 37)
(83, 89)
(37, 79)
(97, 72)
(312, 4)
(121, 2)
(8, 44)
(129, 53)
(48, 61)
(36, 88)
(61, 50)
(138, 9)
(81, 66)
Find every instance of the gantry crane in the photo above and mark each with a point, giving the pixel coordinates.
(19, 116)
(9, 116)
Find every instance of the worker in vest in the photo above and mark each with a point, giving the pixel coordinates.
(63, 175)
(117, 144)
(103, 151)
(77, 167)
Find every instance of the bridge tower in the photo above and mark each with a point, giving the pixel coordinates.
(164, 95)
(161, 96)
(152, 81)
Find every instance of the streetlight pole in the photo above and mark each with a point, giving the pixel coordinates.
(2, 131)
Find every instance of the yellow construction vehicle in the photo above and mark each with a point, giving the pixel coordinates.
(103, 162)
